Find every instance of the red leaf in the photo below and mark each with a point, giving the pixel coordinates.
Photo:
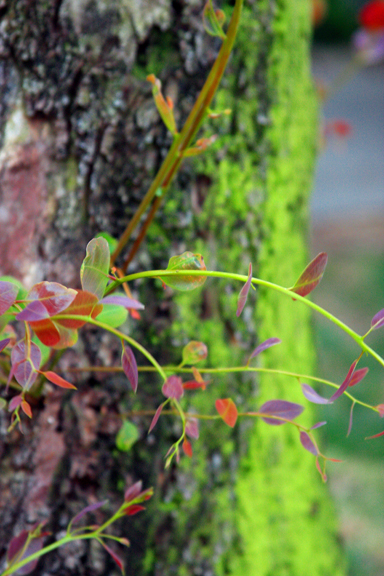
(114, 556)
(84, 304)
(58, 380)
(25, 362)
(16, 545)
(155, 418)
(375, 436)
(193, 385)
(358, 376)
(130, 366)
(173, 388)
(322, 474)
(47, 332)
(26, 408)
(342, 388)
(311, 276)
(282, 409)
(133, 491)
(227, 410)
(8, 293)
(371, 16)
(244, 293)
(134, 509)
(308, 444)
(53, 296)
(264, 345)
(187, 448)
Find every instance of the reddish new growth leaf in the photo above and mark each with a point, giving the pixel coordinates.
(155, 418)
(357, 376)
(350, 419)
(58, 380)
(46, 299)
(173, 388)
(15, 402)
(244, 292)
(380, 408)
(312, 395)
(371, 16)
(264, 346)
(311, 276)
(194, 352)
(345, 384)
(134, 509)
(280, 409)
(17, 551)
(133, 491)
(187, 448)
(375, 436)
(321, 472)
(378, 320)
(317, 425)
(8, 293)
(198, 382)
(26, 408)
(308, 444)
(4, 343)
(227, 410)
(113, 554)
(130, 366)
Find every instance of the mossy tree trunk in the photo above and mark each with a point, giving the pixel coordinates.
(81, 141)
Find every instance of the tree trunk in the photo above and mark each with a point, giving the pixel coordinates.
(81, 142)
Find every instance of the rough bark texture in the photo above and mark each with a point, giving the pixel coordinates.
(81, 141)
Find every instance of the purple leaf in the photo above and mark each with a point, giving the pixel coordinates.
(282, 409)
(87, 509)
(350, 419)
(173, 388)
(130, 367)
(244, 293)
(128, 303)
(4, 343)
(15, 402)
(358, 376)
(19, 542)
(25, 362)
(8, 293)
(155, 418)
(33, 312)
(317, 425)
(16, 545)
(308, 444)
(312, 395)
(378, 320)
(192, 428)
(133, 491)
(342, 388)
(311, 276)
(264, 345)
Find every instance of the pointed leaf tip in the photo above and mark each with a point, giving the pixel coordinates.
(378, 320)
(155, 418)
(308, 443)
(244, 293)
(129, 364)
(227, 410)
(264, 346)
(311, 276)
(312, 395)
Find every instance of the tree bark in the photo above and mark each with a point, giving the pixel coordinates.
(81, 141)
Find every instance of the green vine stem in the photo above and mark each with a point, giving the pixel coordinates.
(257, 281)
(183, 140)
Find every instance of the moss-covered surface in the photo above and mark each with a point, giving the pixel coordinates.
(252, 501)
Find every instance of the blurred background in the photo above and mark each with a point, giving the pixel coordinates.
(348, 224)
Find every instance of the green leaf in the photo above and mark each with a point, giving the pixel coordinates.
(186, 261)
(194, 352)
(95, 267)
(113, 315)
(127, 436)
(112, 242)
